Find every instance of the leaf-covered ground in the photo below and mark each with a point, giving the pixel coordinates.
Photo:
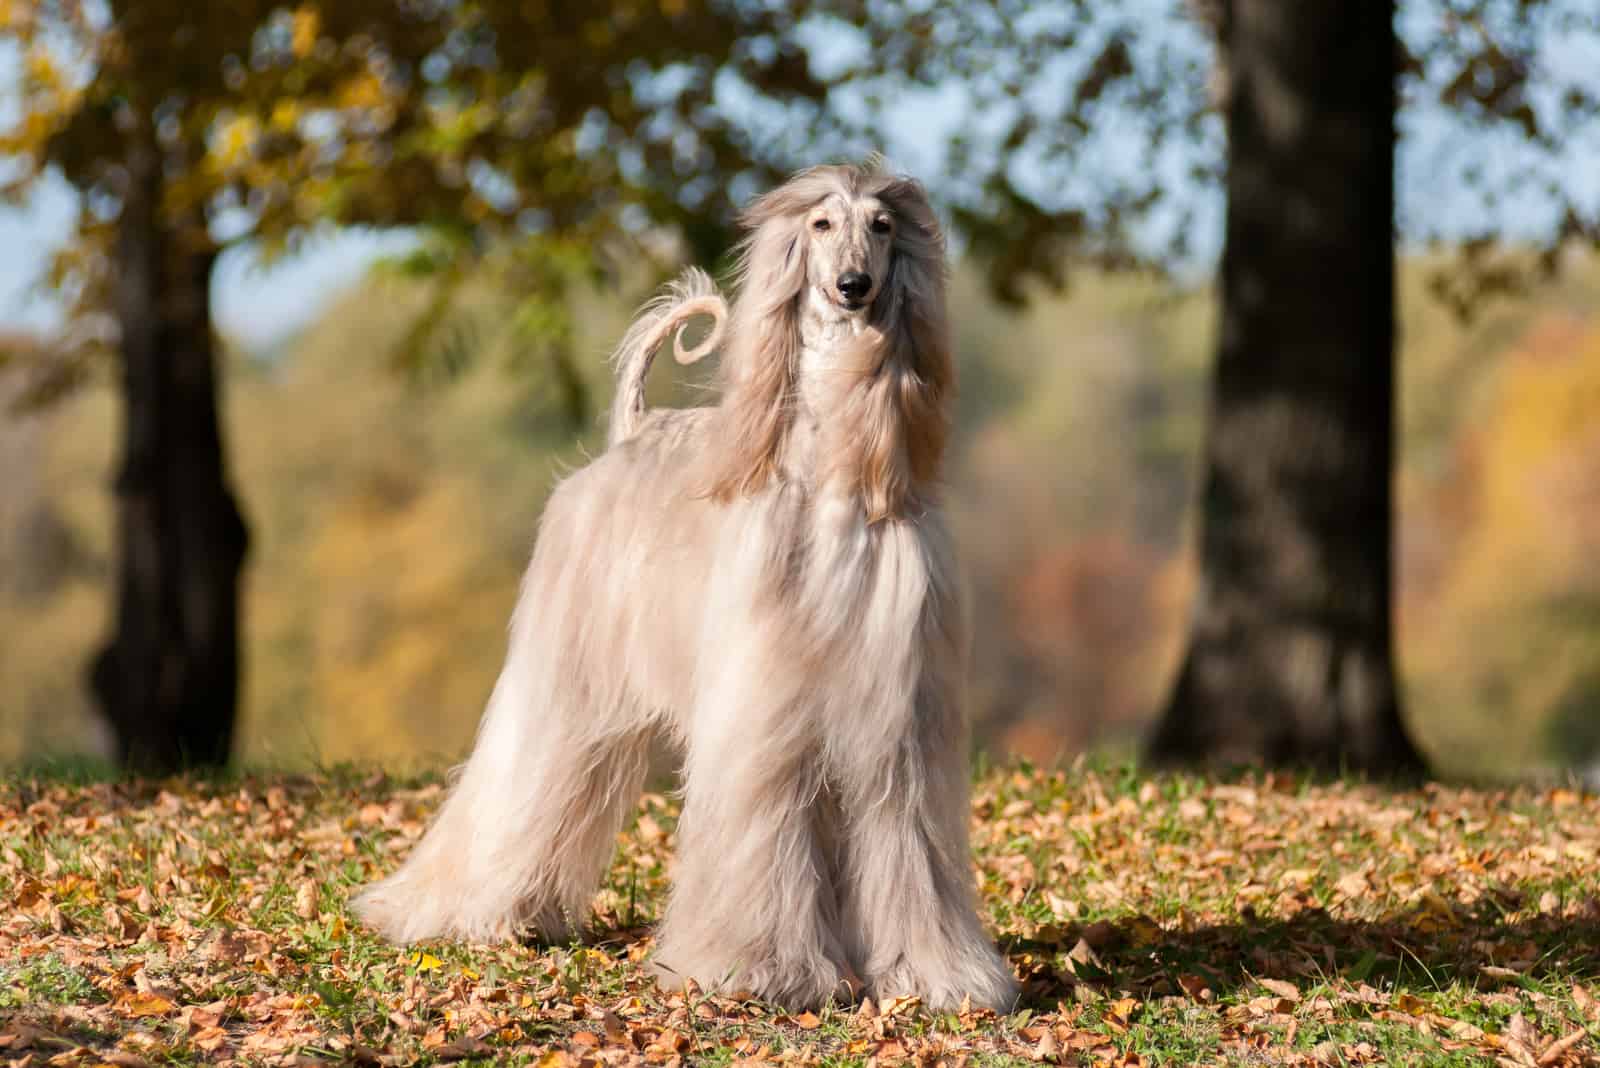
(1153, 920)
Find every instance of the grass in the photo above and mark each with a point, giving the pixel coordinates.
(1167, 919)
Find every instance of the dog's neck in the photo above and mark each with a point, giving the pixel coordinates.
(825, 331)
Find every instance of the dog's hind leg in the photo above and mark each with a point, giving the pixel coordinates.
(522, 841)
(528, 829)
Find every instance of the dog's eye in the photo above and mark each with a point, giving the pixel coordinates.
(881, 225)
(820, 225)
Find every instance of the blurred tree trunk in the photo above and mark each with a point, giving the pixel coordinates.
(168, 680)
(1290, 651)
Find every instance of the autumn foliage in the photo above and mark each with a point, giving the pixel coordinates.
(1503, 616)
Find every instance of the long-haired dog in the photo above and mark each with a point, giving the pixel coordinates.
(768, 582)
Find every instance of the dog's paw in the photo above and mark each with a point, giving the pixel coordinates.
(378, 909)
(801, 982)
(405, 910)
(983, 978)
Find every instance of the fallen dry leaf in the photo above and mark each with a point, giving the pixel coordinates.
(1280, 987)
(146, 1003)
(305, 900)
(1557, 1049)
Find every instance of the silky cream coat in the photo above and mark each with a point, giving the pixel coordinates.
(768, 583)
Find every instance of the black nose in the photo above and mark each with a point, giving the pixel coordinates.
(854, 284)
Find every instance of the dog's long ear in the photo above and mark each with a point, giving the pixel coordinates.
(904, 413)
(916, 286)
(758, 364)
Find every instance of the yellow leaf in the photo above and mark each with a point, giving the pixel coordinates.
(307, 24)
(336, 929)
(234, 140)
(1410, 1004)
(361, 92)
(1118, 1013)
(147, 1004)
(42, 69)
(285, 113)
(426, 962)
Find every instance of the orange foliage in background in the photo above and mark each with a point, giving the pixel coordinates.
(1502, 617)
(1101, 618)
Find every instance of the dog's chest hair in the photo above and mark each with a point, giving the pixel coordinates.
(823, 333)
(854, 588)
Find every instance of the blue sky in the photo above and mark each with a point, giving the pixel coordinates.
(258, 305)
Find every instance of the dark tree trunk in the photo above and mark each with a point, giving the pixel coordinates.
(1289, 659)
(168, 680)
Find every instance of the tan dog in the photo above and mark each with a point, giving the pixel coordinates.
(769, 583)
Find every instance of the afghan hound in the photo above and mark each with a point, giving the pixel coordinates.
(769, 583)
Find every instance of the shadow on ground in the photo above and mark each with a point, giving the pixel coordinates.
(1429, 948)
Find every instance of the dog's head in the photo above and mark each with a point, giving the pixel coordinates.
(849, 235)
(844, 243)
(847, 241)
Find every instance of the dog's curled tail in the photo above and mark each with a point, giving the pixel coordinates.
(691, 294)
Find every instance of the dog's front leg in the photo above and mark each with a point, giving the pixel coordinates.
(909, 909)
(753, 906)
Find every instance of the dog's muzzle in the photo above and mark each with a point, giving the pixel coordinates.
(854, 287)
